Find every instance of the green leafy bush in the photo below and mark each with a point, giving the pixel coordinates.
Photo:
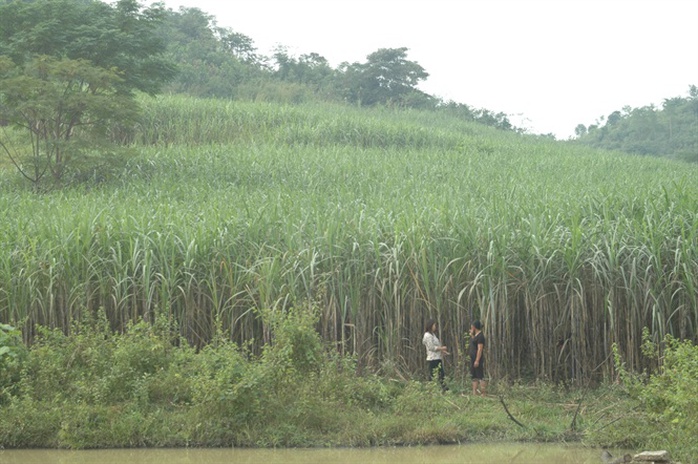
(671, 395)
(668, 397)
(296, 347)
(12, 356)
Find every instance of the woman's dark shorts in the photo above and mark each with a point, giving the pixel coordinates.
(477, 373)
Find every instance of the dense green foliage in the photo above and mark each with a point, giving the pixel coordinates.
(670, 131)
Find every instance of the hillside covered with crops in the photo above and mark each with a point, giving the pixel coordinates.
(381, 219)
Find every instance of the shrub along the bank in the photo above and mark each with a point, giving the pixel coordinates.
(147, 387)
(12, 356)
(667, 397)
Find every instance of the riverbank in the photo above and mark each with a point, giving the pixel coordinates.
(99, 389)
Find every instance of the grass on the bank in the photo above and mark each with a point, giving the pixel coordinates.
(98, 389)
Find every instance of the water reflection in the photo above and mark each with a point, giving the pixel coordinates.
(463, 454)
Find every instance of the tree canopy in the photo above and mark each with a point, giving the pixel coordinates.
(53, 99)
(671, 130)
(387, 77)
(68, 70)
(121, 36)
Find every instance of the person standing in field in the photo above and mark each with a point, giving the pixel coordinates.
(477, 358)
(435, 352)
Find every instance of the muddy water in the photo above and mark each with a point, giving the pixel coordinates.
(462, 454)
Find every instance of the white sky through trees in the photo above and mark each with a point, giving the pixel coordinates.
(548, 64)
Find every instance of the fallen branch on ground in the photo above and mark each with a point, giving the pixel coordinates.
(501, 399)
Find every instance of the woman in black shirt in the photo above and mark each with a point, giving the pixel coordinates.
(477, 358)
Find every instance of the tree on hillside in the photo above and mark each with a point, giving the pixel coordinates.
(212, 61)
(120, 36)
(54, 100)
(310, 69)
(241, 46)
(70, 69)
(387, 77)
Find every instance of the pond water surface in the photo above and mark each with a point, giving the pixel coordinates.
(515, 453)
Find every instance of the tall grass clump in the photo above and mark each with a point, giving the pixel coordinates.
(384, 218)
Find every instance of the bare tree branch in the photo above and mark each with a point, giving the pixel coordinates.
(501, 399)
